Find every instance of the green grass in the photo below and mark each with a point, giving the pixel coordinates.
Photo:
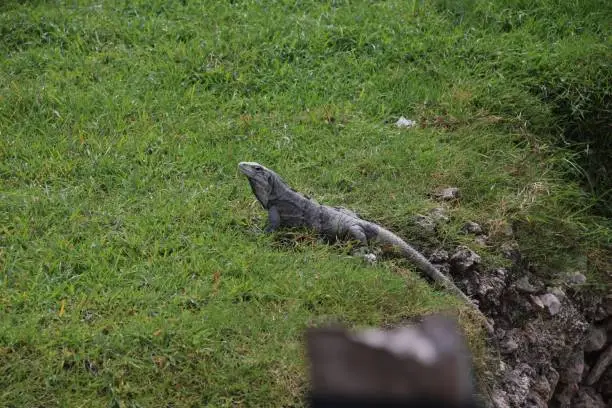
(130, 272)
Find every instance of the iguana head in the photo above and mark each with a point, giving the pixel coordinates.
(263, 181)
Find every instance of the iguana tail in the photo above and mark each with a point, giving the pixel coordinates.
(387, 237)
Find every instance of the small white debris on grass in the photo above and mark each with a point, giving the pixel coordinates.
(370, 258)
(402, 122)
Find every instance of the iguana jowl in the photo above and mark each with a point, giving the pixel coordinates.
(287, 207)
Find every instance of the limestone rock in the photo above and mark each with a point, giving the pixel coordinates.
(448, 194)
(439, 215)
(471, 227)
(586, 397)
(523, 285)
(596, 338)
(464, 259)
(551, 302)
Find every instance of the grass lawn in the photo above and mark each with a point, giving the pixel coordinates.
(132, 272)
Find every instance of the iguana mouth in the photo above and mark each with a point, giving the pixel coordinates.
(245, 168)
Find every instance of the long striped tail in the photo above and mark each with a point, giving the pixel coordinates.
(387, 237)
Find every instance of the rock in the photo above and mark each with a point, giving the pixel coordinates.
(448, 194)
(402, 122)
(510, 342)
(523, 285)
(604, 309)
(444, 268)
(544, 356)
(600, 313)
(605, 384)
(607, 305)
(587, 370)
(576, 279)
(603, 362)
(541, 354)
(464, 259)
(472, 228)
(481, 240)
(552, 377)
(499, 399)
(438, 214)
(510, 250)
(558, 292)
(496, 282)
(537, 301)
(564, 396)
(490, 286)
(589, 301)
(534, 400)
(426, 223)
(439, 256)
(518, 383)
(569, 378)
(587, 397)
(551, 302)
(596, 339)
(574, 368)
(542, 387)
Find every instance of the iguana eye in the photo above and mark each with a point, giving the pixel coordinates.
(258, 168)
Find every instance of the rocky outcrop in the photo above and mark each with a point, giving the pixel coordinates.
(554, 341)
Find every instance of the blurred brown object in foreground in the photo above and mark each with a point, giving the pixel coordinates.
(427, 364)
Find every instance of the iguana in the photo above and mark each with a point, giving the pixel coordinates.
(287, 207)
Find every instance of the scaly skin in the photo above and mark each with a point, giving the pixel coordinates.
(287, 207)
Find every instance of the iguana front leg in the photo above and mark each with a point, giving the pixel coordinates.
(273, 219)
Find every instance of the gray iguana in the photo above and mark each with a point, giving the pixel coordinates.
(287, 207)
